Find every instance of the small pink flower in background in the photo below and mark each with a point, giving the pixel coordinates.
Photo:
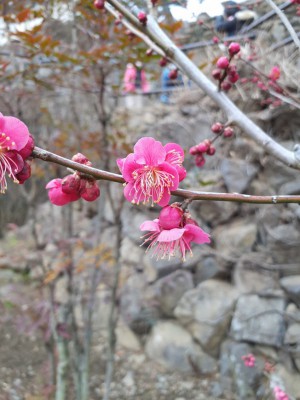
(172, 233)
(279, 394)
(73, 187)
(16, 145)
(275, 73)
(152, 171)
(249, 360)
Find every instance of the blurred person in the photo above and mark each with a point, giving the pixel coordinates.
(135, 79)
(233, 19)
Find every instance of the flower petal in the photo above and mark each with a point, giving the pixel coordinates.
(16, 130)
(151, 226)
(195, 234)
(149, 152)
(172, 148)
(129, 166)
(164, 201)
(170, 235)
(120, 163)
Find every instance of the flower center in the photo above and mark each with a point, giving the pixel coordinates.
(7, 164)
(150, 183)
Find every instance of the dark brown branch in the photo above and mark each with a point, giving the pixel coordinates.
(186, 194)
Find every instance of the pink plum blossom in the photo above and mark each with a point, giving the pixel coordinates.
(279, 394)
(275, 73)
(152, 171)
(249, 360)
(172, 233)
(16, 145)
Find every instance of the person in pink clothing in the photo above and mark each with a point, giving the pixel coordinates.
(135, 79)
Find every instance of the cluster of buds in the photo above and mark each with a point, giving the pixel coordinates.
(206, 147)
(226, 73)
(266, 83)
(200, 149)
(74, 186)
(99, 4)
(249, 360)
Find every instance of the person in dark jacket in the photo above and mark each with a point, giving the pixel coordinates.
(233, 19)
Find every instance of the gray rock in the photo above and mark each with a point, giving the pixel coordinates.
(138, 307)
(172, 346)
(130, 252)
(156, 269)
(237, 174)
(251, 276)
(210, 267)
(171, 288)
(283, 242)
(236, 238)
(206, 312)
(126, 338)
(259, 320)
(235, 376)
(216, 212)
(291, 285)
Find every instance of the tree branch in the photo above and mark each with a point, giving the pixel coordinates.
(186, 194)
(285, 22)
(155, 33)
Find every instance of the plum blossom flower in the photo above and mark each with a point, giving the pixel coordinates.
(16, 145)
(275, 73)
(172, 233)
(249, 360)
(73, 187)
(152, 171)
(279, 394)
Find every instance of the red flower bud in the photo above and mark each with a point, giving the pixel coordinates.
(233, 77)
(199, 160)
(173, 74)
(226, 86)
(149, 52)
(234, 48)
(81, 159)
(100, 4)
(223, 62)
(217, 127)
(142, 16)
(203, 146)
(228, 132)
(71, 184)
(217, 74)
(211, 151)
(215, 39)
(163, 62)
(170, 217)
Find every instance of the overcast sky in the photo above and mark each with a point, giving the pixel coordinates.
(194, 8)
